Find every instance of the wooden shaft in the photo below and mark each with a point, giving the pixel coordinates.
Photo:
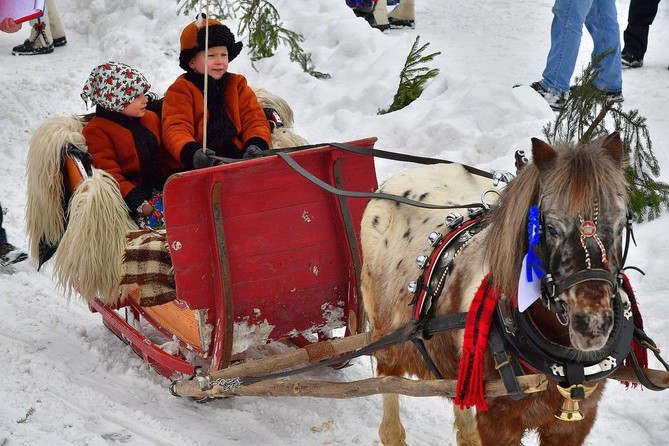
(422, 388)
(365, 387)
(302, 356)
(658, 377)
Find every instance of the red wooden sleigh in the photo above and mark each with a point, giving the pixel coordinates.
(259, 250)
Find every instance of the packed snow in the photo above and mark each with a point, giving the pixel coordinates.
(67, 380)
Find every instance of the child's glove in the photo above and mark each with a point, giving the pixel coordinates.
(202, 159)
(252, 152)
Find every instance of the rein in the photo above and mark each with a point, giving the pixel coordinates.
(375, 195)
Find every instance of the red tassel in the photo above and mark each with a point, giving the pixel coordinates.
(470, 389)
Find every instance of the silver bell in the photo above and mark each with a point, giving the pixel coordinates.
(412, 287)
(454, 219)
(422, 261)
(434, 238)
(474, 212)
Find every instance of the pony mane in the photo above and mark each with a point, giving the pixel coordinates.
(580, 178)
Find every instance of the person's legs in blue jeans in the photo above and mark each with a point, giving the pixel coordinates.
(602, 24)
(566, 31)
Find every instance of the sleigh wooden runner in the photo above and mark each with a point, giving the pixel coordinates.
(269, 250)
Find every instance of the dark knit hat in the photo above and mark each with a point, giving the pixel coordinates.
(193, 35)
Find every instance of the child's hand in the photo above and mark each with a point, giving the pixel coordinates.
(252, 151)
(203, 158)
(8, 25)
(145, 209)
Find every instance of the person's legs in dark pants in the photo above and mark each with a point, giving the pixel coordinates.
(640, 17)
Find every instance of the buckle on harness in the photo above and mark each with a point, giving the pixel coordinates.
(504, 361)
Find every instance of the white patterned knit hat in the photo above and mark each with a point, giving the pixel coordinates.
(114, 86)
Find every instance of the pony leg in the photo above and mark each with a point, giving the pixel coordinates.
(466, 430)
(391, 430)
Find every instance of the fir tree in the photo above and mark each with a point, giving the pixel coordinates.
(261, 22)
(412, 77)
(584, 118)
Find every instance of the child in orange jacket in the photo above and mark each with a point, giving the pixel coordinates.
(124, 138)
(236, 124)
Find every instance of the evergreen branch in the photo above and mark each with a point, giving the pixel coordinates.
(584, 118)
(413, 77)
(261, 22)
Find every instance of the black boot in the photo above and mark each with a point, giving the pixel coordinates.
(33, 45)
(10, 254)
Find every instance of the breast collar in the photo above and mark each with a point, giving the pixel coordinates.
(565, 364)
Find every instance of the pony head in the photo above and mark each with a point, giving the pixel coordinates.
(583, 208)
(580, 191)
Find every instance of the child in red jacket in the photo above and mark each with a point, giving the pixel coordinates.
(124, 138)
(236, 124)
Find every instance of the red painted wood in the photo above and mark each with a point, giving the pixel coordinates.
(284, 237)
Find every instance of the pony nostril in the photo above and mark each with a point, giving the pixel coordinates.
(592, 326)
(579, 323)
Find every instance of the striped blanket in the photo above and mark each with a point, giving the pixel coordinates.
(147, 263)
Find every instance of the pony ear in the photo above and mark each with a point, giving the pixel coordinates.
(613, 145)
(542, 154)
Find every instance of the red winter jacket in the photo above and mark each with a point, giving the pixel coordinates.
(183, 114)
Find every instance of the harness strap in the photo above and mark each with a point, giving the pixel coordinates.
(506, 364)
(420, 345)
(376, 195)
(586, 275)
(643, 339)
(435, 325)
(353, 249)
(396, 337)
(407, 158)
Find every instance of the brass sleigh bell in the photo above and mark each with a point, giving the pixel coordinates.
(572, 395)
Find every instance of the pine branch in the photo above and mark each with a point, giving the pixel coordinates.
(413, 77)
(584, 118)
(218, 9)
(261, 22)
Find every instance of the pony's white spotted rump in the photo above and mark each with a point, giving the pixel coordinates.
(569, 184)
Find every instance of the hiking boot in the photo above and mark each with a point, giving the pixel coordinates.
(555, 100)
(630, 61)
(614, 96)
(10, 254)
(400, 24)
(60, 41)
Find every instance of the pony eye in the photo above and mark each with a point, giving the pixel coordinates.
(551, 230)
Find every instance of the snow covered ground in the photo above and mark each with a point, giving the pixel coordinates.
(67, 380)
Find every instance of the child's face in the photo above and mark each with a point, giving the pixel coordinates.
(217, 62)
(137, 108)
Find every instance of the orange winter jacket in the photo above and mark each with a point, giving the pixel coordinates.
(183, 114)
(112, 147)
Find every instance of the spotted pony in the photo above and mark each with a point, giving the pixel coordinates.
(580, 193)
